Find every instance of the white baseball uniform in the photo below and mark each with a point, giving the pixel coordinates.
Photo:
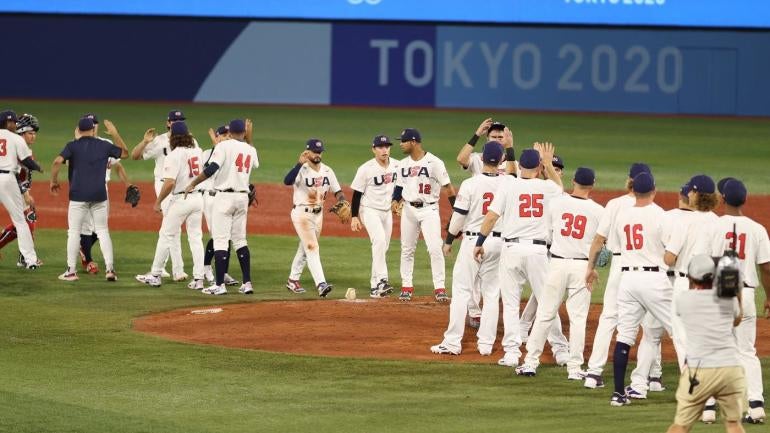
(13, 149)
(753, 248)
(523, 204)
(573, 222)
(608, 320)
(207, 187)
(421, 181)
(88, 221)
(183, 165)
(310, 189)
(376, 184)
(473, 200)
(235, 159)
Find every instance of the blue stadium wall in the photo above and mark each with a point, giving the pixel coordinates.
(540, 68)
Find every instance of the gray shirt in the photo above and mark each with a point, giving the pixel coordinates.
(708, 323)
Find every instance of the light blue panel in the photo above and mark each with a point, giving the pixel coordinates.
(283, 63)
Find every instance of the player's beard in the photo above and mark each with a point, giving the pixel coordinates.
(316, 159)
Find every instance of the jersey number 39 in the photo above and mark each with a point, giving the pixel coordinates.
(574, 225)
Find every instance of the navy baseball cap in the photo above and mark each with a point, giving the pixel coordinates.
(558, 162)
(175, 115)
(92, 116)
(381, 140)
(314, 145)
(585, 176)
(179, 128)
(493, 152)
(734, 192)
(86, 124)
(237, 126)
(530, 158)
(644, 182)
(410, 134)
(638, 167)
(496, 126)
(222, 130)
(702, 183)
(8, 115)
(723, 181)
(684, 189)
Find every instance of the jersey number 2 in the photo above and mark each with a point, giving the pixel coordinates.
(487, 197)
(741, 247)
(193, 166)
(634, 237)
(531, 205)
(243, 163)
(3, 149)
(574, 225)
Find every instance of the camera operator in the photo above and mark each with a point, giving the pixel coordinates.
(713, 367)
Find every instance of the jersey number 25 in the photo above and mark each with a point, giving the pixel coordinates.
(531, 205)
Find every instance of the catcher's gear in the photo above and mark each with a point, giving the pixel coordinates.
(604, 257)
(133, 195)
(342, 209)
(252, 194)
(26, 123)
(397, 207)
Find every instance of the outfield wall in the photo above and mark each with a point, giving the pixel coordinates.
(424, 65)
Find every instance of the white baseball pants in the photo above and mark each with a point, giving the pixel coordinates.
(565, 276)
(428, 221)
(527, 318)
(608, 321)
(229, 219)
(379, 226)
(208, 205)
(746, 334)
(678, 334)
(466, 272)
(78, 211)
(308, 227)
(181, 210)
(174, 250)
(13, 202)
(648, 361)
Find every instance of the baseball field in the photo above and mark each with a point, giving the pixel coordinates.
(72, 360)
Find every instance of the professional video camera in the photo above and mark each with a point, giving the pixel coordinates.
(728, 280)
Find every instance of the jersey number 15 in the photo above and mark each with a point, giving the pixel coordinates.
(193, 166)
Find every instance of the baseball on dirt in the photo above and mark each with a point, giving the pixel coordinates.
(350, 294)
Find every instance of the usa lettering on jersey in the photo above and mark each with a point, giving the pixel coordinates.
(416, 171)
(316, 182)
(384, 179)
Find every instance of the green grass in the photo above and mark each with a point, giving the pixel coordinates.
(675, 147)
(70, 362)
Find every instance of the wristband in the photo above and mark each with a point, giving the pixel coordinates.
(480, 240)
(449, 238)
(473, 140)
(510, 154)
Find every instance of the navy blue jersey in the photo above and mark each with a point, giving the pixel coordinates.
(87, 162)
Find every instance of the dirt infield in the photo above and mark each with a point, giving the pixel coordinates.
(365, 328)
(272, 215)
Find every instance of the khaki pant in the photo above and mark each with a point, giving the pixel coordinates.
(726, 384)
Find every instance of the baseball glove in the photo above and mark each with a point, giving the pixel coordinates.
(252, 194)
(396, 207)
(604, 257)
(133, 195)
(342, 210)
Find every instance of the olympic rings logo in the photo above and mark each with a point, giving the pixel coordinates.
(358, 2)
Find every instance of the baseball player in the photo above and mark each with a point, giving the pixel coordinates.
(231, 161)
(311, 180)
(13, 153)
(523, 205)
(473, 200)
(735, 232)
(608, 319)
(415, 198)
(644, 286)
(156, 147)
(180, 166)
(573, 220)
(87, 157)
(372, 190)
(27, 127)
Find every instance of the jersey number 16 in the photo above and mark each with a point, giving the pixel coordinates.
(634, 236)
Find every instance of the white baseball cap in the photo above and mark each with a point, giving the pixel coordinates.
(701, 267)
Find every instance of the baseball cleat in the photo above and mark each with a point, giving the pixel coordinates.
(165, 274)
(756, 414)
(21, 263)
(324, 288)
(383, 288)
(440, 295)
(181, 277)
(440, 349)
(374, 293)
(151, 280)
(406, 294)
(294, 286)
(709, 415)
(593, 381)
(561, 358)
(509, 360)
(215, 290)
(246, 288)
(230, 281)
(526, 370)
(195, 285)
(655, 384)
(632, 393)
(485, 351)
(110, 275)
(209, 276)
(576, 375)
(474, 322)
(618, 400)
(92, 268)
(69, 276)
(142, 278)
